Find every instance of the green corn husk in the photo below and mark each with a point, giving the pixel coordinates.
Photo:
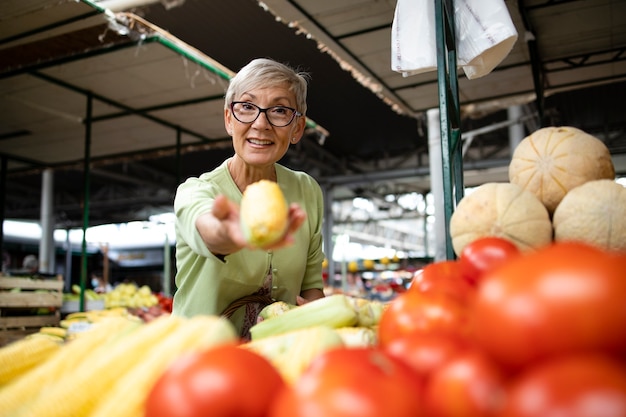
(333, 311)
(292, 352)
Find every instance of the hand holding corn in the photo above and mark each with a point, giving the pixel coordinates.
(258, 223)
(267, 221)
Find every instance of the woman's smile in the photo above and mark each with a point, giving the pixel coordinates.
(260, 142)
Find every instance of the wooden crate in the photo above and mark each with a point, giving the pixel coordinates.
(22, 301)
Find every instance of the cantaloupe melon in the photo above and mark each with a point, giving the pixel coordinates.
(553, 160)
(501, 209)
(595, 213)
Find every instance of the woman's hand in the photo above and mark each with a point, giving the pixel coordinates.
(307, 296)
(221, 228)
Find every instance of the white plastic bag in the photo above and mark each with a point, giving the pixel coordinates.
(485, 35)
(413, 37)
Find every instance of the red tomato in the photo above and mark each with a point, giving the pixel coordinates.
(564, 297)
(425, 353)
(469, 384)
(223, 381)
(443, 277)
(415, 312)
(572, 386)
(352, 382)
(483, 255)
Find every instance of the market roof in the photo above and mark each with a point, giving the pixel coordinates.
(158, 80)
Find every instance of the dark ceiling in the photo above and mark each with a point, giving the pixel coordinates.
(366, 135)
(361, 125)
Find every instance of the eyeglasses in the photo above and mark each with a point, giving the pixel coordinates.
(279, 116)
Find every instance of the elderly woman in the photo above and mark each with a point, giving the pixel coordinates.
(264, 113)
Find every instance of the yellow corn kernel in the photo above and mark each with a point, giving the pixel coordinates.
(333, 311)
(24, 354)
(54, 331)
(20, 392)
(264, 213)
(100, 372)
(128, 395)
(357, 336)
(292, 352)
(275, 309)
(369, 311)
(83, 315)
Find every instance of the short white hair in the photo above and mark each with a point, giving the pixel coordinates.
(264, 72)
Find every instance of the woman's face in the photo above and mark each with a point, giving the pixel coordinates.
(259, 143)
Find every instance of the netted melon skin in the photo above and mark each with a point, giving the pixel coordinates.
(553, 160)
(593, 213)
(503, 210)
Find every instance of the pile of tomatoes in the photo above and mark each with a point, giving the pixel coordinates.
(495, 333)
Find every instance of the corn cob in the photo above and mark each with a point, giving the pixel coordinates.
(378, 308)
(275, 309)
(21, 391)
(22, 355)
(368, 311)
(54, 331)
(68, 397)
(264, 213)
(82, 315)
(128, 395)
(333, 311)
(357, 336)
(93, 316)
(292, 352)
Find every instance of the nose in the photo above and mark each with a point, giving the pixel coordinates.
(262, 119)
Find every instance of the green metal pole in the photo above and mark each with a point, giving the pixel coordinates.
(449, 113)
(87, 186)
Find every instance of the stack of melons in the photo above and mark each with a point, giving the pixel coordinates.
(561, 187)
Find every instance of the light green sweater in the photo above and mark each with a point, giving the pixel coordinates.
(207, 285)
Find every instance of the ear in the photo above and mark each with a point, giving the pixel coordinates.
(228, 121)
(298, 130)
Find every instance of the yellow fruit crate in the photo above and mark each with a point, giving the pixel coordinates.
(27, 304)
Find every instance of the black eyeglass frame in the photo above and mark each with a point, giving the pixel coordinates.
(295, 114)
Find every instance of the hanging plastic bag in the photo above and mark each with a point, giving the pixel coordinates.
(413, 38)
(485, 35)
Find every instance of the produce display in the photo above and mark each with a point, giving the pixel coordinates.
(561, 188)
(125, 294)
(470, 337)
(523, 323)
(127, 297)
(110, 366)
(130, 295)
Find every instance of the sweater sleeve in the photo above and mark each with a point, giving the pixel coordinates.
(193, 198)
